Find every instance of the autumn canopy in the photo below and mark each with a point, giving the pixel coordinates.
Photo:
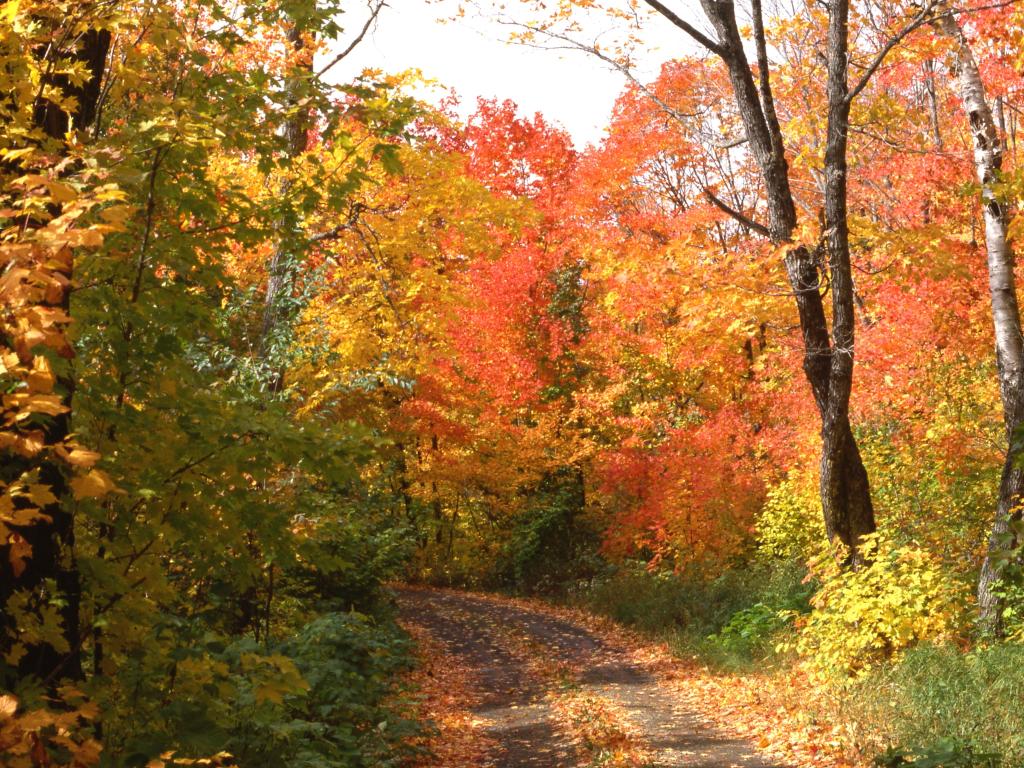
(268, 343)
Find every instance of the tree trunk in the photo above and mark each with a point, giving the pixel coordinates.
(845, 493)
(435, 502)
(828, 358)
(933, 104)
(988, 161)
(52, 539)
(281, 266)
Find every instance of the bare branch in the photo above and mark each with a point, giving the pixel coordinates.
(927, 15)
(375, 7)
(356, 210)
(732, 143)
(924, 16)
(572, 44)
(744, 220)
(688, 28)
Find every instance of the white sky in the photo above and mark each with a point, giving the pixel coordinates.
(570, 88)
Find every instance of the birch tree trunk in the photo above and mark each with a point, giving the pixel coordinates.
(988, 161)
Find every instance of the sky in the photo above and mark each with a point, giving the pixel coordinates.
(469, 55)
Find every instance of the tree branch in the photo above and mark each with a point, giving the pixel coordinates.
(375, 9)
(744, 220)
(355, 211)
(924, 16)
(572, 44)
(688, 28)
(764, 77)
(732, 143)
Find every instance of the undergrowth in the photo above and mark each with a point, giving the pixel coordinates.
(931, 706)
(938, 700)
(731, 621)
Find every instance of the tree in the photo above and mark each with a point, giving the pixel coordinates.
(303, 88)
(828, 354)
(64, 61)
(143, 207)
(988, 150)
(814, 261)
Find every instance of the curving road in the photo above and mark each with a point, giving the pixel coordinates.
(518, 657)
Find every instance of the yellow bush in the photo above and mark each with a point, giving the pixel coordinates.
(790, 523)
(864, 616)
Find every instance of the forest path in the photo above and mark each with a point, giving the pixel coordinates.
(549, 693)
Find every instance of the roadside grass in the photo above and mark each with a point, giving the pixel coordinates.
(943, 707)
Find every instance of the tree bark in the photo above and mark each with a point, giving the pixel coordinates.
(845, 495)
(828, 356)
(296, 135)
(52, 539)
(1009, 342)
(933, 104)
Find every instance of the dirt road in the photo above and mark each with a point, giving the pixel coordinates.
(550, 694)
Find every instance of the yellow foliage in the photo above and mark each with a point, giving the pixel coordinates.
(865, 615)
(94, 484)
(27, 735)
(274, 677)
(790, 523)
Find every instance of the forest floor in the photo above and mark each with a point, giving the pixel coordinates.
(512, 683)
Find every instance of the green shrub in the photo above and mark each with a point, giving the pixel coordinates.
(550, 540)
(751, 632)
(650, 601)
(730, 620)
(328, 696)
(345, 713)
(947, 753)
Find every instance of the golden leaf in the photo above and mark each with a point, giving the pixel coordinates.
(61, 192)
(8, 706)
(40, 494)
(92, 485)
(51, 405)
(81, 457)
(18, 553)
(41, 378)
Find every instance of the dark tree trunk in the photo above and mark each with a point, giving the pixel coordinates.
(845, 492)
(435, 502)
(51, 573)
(828, 357)
(933, 104)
